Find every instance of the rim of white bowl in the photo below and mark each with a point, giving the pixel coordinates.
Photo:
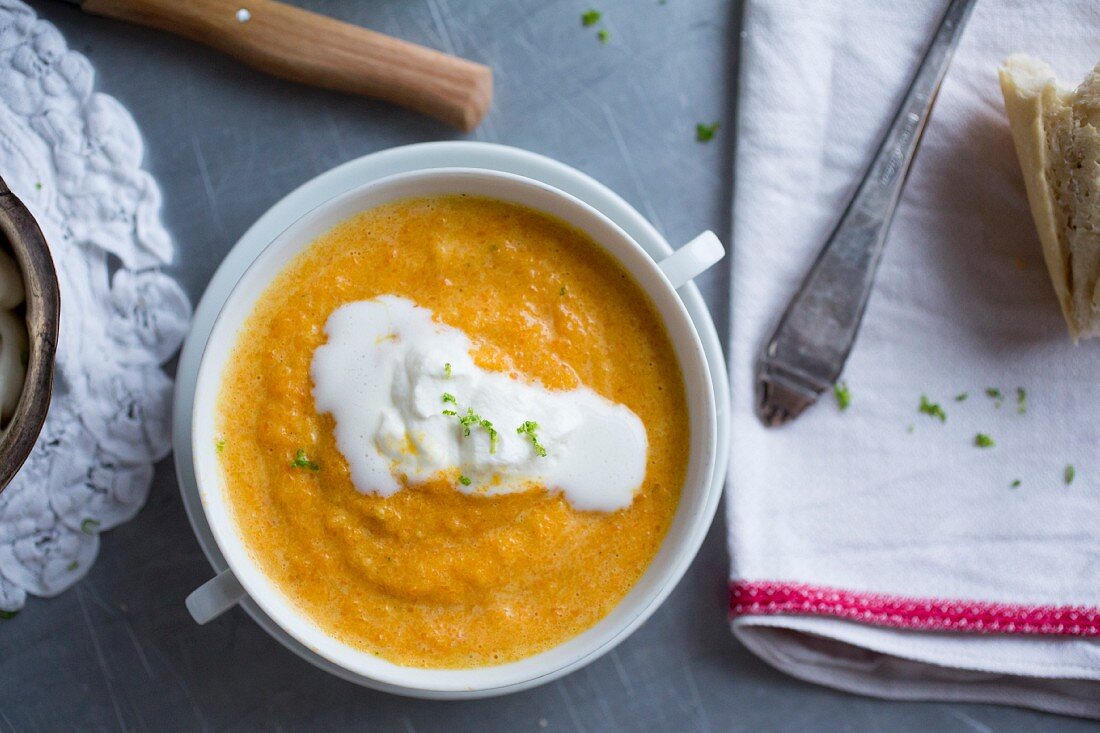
(297, 623)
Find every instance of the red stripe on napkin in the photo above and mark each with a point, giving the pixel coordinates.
(766, 598)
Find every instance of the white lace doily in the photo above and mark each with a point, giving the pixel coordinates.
(74, 156)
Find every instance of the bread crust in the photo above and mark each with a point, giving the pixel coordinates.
(1056, 131)
(1029, 89)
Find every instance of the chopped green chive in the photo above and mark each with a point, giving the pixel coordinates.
(995, 394)
(464, 480)
(529, 429)
(1016, 484)
(38, 186)
(89, 526)
(447, 369)
(603, 35)
(910, 428)
(562, 291)
(932, 409)
(961, 396)
(470, 418)
(301, 460)
(72, 566)
(1070, 474)
(705, 133)
(983, 441)
(1021, 400)
(590, 17)
(843, 395)
(219, 445)
(8, 614)
(488, 426)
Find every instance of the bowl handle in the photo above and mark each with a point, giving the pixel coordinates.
(215, 597)
(686, 263)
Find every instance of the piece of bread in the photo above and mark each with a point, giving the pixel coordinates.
(1057, 134)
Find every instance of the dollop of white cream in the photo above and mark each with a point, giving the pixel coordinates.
(383, 375)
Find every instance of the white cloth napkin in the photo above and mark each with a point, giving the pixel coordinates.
(73, 155)
(884, 551)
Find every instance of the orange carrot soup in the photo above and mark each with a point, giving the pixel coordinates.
(454, 432)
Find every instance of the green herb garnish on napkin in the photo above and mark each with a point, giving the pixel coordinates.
(931, 409)
(843, 395)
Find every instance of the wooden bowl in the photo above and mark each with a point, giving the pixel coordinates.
(19, 233)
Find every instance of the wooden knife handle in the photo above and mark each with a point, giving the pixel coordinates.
(313, 49)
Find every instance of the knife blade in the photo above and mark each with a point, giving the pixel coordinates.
(313, 49)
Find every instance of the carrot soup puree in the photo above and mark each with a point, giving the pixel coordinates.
(454, 432)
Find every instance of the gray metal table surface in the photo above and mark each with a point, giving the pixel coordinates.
(119, 651)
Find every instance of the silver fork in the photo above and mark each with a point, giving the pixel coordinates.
(807, 351)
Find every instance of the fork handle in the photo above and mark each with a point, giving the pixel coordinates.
(807, 350)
